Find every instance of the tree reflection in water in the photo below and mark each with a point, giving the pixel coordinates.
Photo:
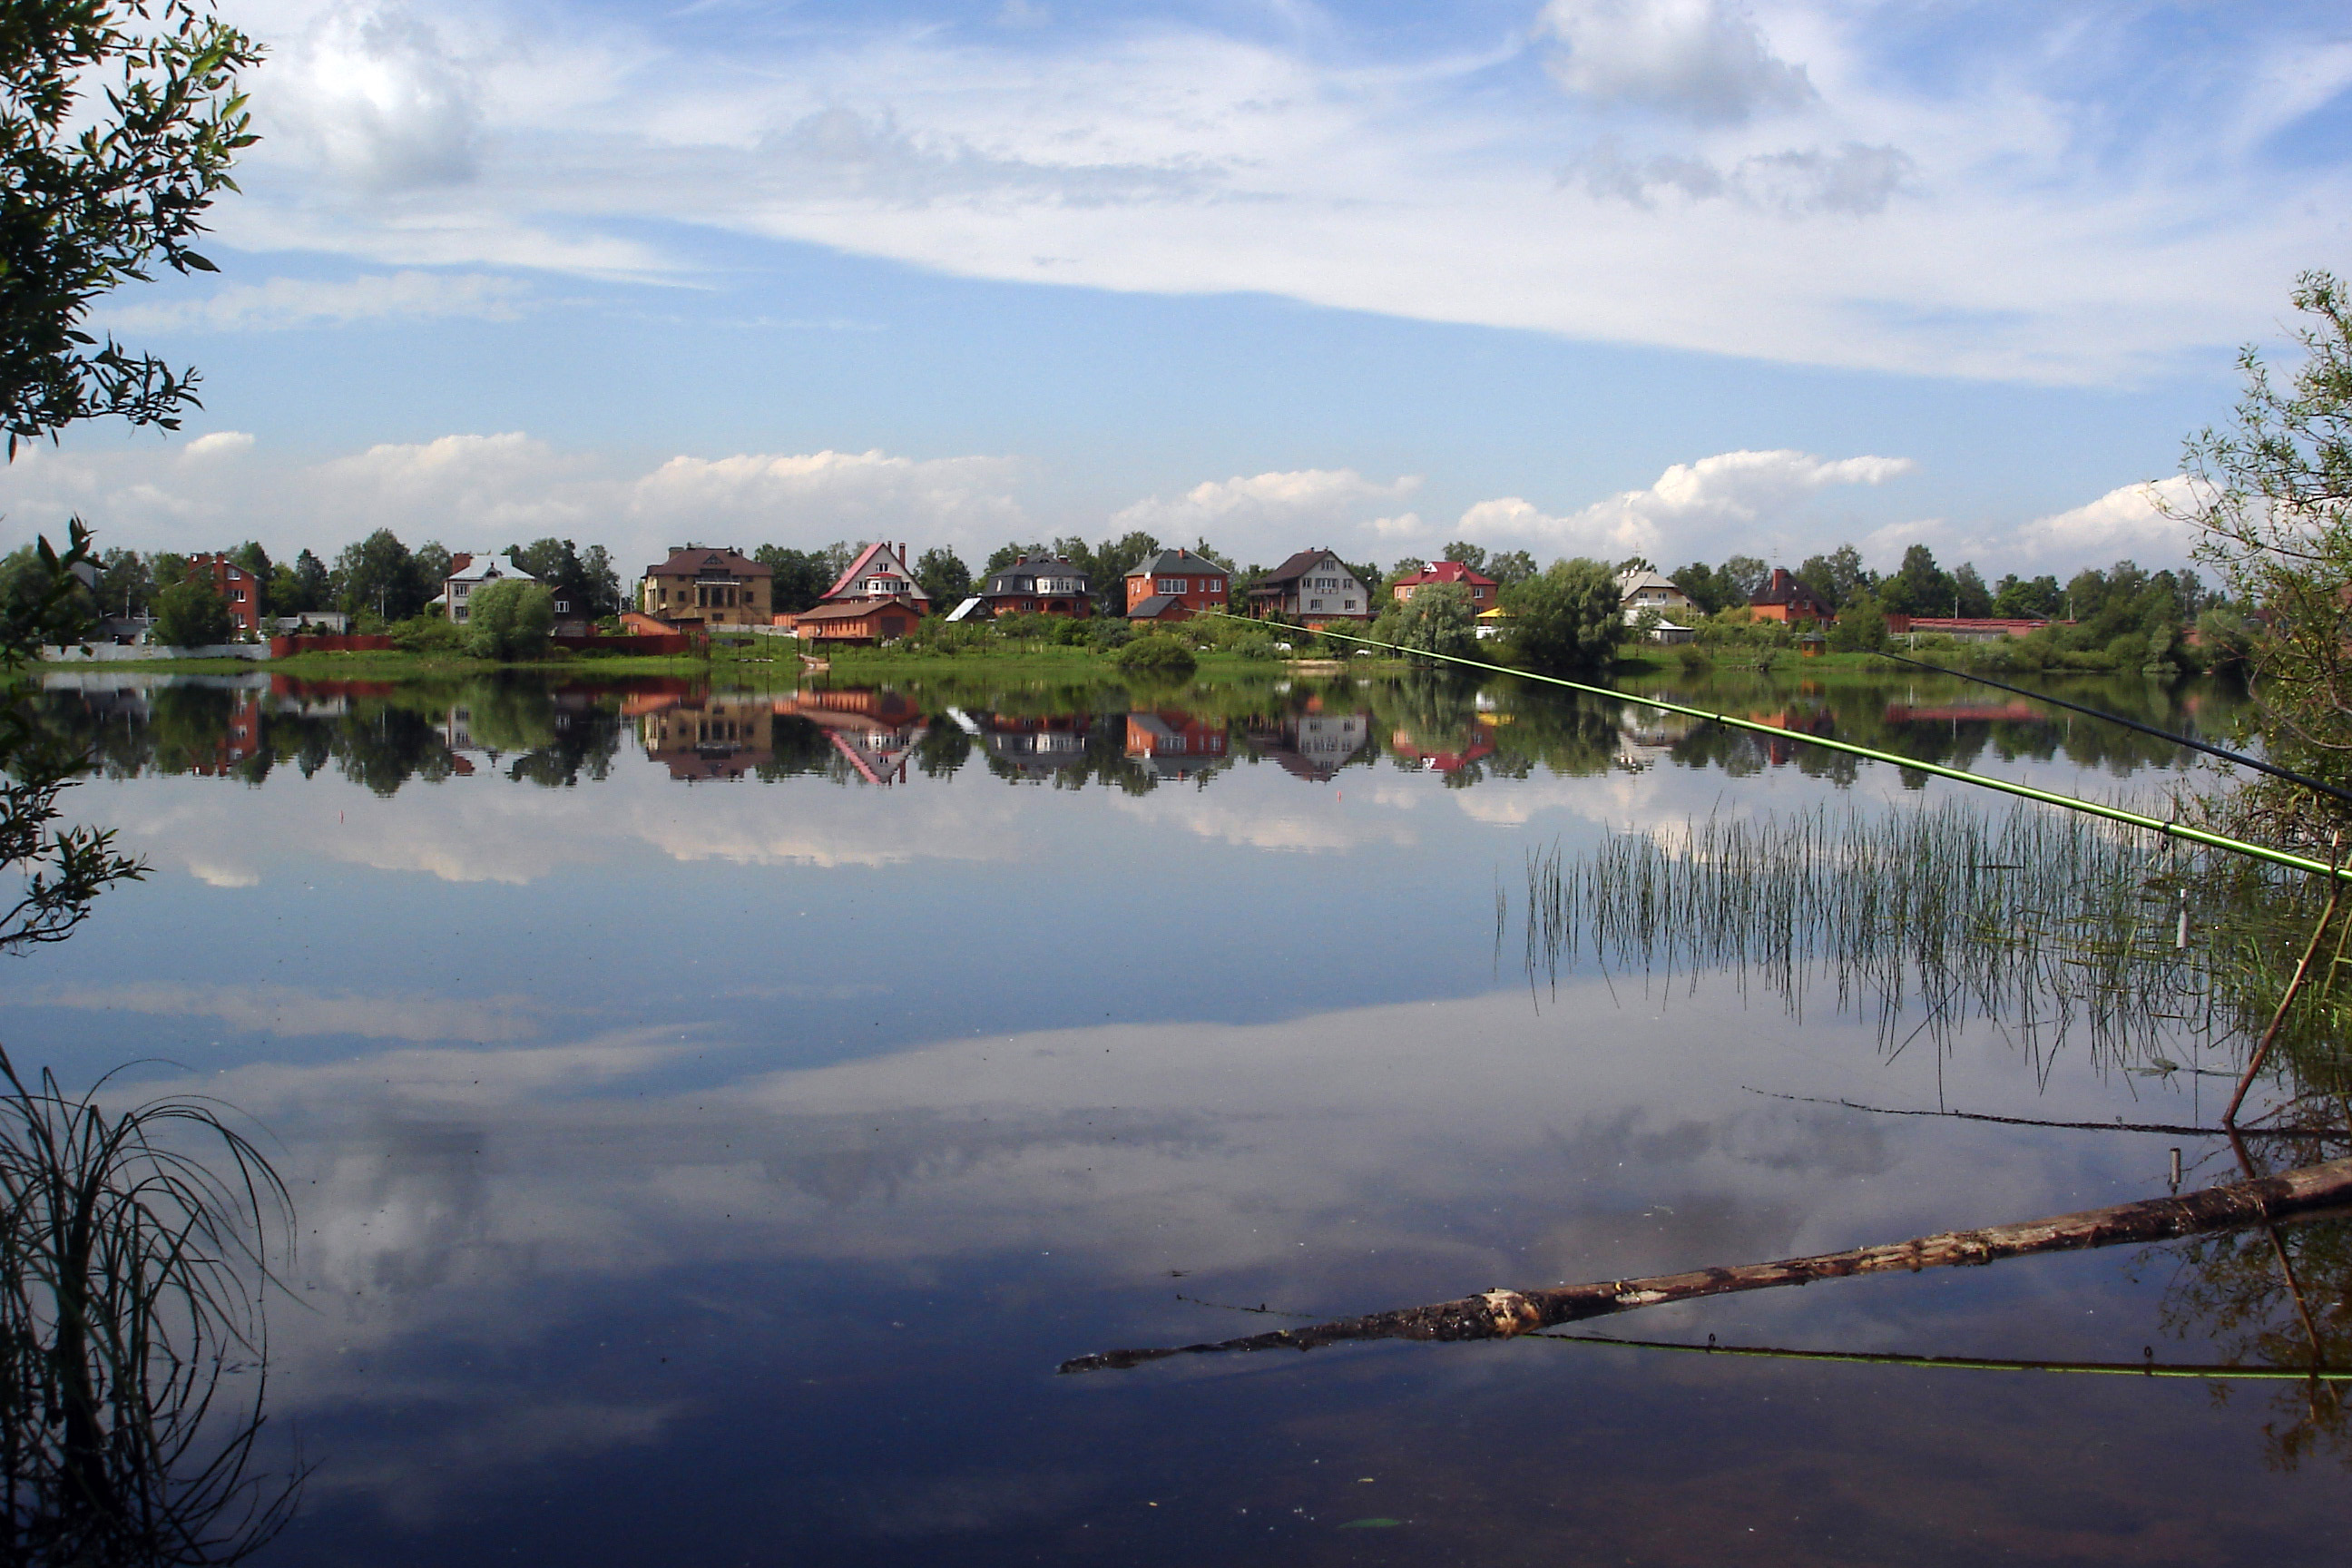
(132, 1331)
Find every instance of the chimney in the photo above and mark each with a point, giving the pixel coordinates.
(1779, 577)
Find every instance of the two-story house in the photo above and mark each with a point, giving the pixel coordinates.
(1175, 585)
(468, 576)
(237, 587)
(704, 585)
(1789, 598)
(1038, 585)
(876, 600)
(1642, 591)
(1483, 590)
(1312, 587)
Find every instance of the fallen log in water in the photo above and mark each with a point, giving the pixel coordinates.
(1499, 1314)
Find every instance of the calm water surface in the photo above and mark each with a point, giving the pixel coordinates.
(714, 1115)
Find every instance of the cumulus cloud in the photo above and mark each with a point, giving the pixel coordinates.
(2130, 518)
(218, 444)
(1706, 60)
(374, 92)
(285, 303)
(861, 494)
(1730, 488)
(1856, 180)
(1329, 497)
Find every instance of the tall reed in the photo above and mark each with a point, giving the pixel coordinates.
(132, 1278)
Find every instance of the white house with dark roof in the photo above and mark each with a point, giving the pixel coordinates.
(469, 575)
(1312, 586)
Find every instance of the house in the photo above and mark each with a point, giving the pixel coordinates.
(1175, 585)
(1483, 591)
(876, 600)
(704, 585)
(876, 732)
(1038, 585)
(468, 576)
(1476, 745)
(1315, 744)
(237, 587)
(572, 617)
(1788, 600)
(1494, 623)
(1033, 747)
(1312, 587)
(1646, 590)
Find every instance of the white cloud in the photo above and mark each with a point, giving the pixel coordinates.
(855, 495)
(379, 97)
(1855, 180)
(285, 303)
(217, 445)
(2128, 518)
(1252, 511)
(1703, 59)
(1688, 499)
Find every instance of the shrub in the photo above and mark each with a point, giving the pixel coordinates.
(192, 614)
(1158, 653)
(429, 634)
(510, 619)
(1109, 632)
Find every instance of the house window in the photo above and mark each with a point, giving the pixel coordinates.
(1170, 584)
(237, 595)
(563, 606)
(1348, 603)
(463, 588)
(1315, 604)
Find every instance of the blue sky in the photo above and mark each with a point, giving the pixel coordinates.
(1673, 277)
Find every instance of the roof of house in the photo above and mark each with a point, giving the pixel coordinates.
(1785, 588)
(966, 610)
(853, 609)
(1154, 607)
(899, 568)
(467, 567)
(693, 559)
(1169, 562)
(1445, 572)
(1632, 583)
(1295, 568)
(1034, 566)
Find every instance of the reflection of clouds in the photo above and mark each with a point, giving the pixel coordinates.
(264, 1009)
(1265, 808)
(810, 824)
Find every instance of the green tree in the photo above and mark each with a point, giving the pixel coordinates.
(378, 575)
(192, 614)
(1968, 591)
(599, 583)
(2020, 598)
(1567, 618)
(1739, 578)
(1836, 576)
(1511, 566)
(1464, 554)
(31, 583)
(510, 619)
(125, 584)
(943, 575)
(1860, 623)
(1438, 619)
(1921, 587)
(554, 561)
(119, 122)
(1707, 591)
(801, 578)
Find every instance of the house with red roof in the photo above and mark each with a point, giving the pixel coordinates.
(1482, 589)
(876, 600)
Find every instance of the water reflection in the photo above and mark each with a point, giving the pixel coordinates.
(554, 732)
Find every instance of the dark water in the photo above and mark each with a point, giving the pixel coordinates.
(714, 1115)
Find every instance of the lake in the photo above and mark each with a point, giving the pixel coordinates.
(714, 1114)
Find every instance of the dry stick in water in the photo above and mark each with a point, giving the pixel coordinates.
(1500, 1314)
(2311, 949)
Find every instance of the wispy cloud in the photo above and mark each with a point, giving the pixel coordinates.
(287, 302)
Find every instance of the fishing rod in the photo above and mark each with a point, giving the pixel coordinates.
(2260, 766)
(2146, 1366)
(2157, 824)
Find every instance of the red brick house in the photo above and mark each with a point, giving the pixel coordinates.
(1788, 600)
(237, 587)
(1175, 585)
(1482, 590)
(1175, 744)
(874, 601)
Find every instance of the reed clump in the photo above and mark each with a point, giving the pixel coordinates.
(132, 1278)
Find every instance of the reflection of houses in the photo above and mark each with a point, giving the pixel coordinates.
(1314, 745)
(875, 731)
(1035, 745)
(1176, 744)
(2009, 712)
(1451, 760)
(240, 738)
(1795, 721)
(711, 735)
(1647, 736)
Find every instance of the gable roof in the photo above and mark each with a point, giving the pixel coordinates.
(1168, 562)
(1034, 566)
(1445, 572)
(693, 559)
(866, 559)
(1785, 588)
(1298, 566)
(854, 609)
(469, 568)
(1632, 583)
(1154, 607)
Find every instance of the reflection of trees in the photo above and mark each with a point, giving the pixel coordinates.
(131, 1335)
(2276, 1298)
